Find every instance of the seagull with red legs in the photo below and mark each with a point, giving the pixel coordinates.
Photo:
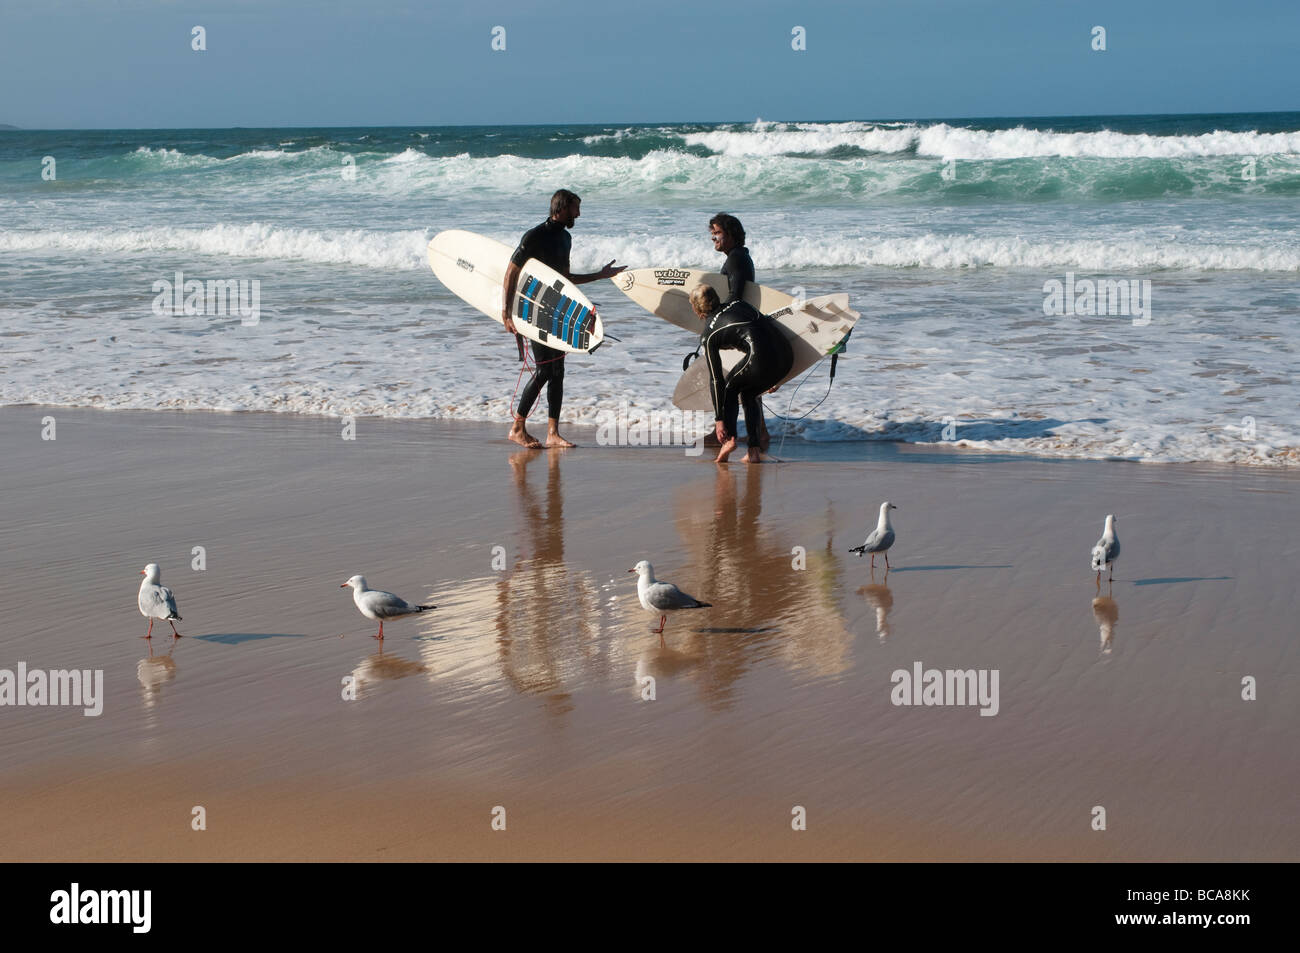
(661, 597)
(377, 605)
(156, 601)
(879, 539)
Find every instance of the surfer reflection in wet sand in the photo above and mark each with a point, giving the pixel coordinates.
(549, 243)
(767, 359)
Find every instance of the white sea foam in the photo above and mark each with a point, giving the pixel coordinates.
(361, 247)
(941, 140)
(965, 361)
(405, 250)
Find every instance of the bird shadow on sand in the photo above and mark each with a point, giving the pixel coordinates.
(945, 568)
(238, 638)
(1169, 580)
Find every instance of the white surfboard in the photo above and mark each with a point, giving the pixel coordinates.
(666, 292)
(814, 330)
(548, 308)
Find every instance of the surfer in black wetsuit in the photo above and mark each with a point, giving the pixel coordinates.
(729, 238)
(767, 360)
(549, 243)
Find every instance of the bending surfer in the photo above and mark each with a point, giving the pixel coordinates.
(549, 243)
(767, 359)
(729, 238)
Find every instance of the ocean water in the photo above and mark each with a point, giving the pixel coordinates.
(947, 235)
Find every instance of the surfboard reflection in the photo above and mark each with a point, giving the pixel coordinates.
(748, 571)
(546, 628)
(546, 616)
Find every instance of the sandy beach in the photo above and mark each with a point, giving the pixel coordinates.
(526, 688)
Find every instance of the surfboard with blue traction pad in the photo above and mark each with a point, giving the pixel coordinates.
(547, 307)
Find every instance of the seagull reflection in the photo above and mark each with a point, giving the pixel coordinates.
(664, 662)
(1106, 613)
(881, 599)
(382, 667)
(154, 672)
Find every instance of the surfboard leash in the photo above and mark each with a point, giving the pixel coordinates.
(834, 355)
(526, 366)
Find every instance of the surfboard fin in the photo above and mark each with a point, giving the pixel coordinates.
(838, 350)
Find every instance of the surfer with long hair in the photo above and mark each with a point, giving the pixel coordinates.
(728, 237)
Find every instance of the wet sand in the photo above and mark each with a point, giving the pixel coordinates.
(524, 689)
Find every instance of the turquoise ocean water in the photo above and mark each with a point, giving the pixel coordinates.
(946, 235)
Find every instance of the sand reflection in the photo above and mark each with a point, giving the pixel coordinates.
(1106, 614)
(537, 623)
(881, 599)
(153, 673)
(763, 604)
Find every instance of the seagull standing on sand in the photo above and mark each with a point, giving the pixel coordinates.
(661, 597)
(156, 601)
(1106, 551)
(379, 605)
(881, 538)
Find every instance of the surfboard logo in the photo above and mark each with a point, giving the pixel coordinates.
(780, 314)
(467, 265)
(626, 281)
(673, 277)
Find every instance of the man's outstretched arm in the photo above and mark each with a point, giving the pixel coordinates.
(609, 271)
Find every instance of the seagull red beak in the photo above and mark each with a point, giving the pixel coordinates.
(631, 570)
(142, 572)
(344, 586)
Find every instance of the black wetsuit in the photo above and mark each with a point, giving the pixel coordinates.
(549, 243)
(739, 268)
(767, 360)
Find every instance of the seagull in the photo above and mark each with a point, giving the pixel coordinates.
(379, 605)
(881, 538)
(661, 597)
(1106, 551)
(155, 601)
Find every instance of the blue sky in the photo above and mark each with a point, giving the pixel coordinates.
(128, 63)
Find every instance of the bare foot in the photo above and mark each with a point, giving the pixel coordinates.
(520, 435)
(726, 450)
(555, 440)
(752, 456)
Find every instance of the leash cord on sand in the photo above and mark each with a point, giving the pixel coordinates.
(793, 420)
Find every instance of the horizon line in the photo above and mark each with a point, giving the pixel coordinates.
(4, 127)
